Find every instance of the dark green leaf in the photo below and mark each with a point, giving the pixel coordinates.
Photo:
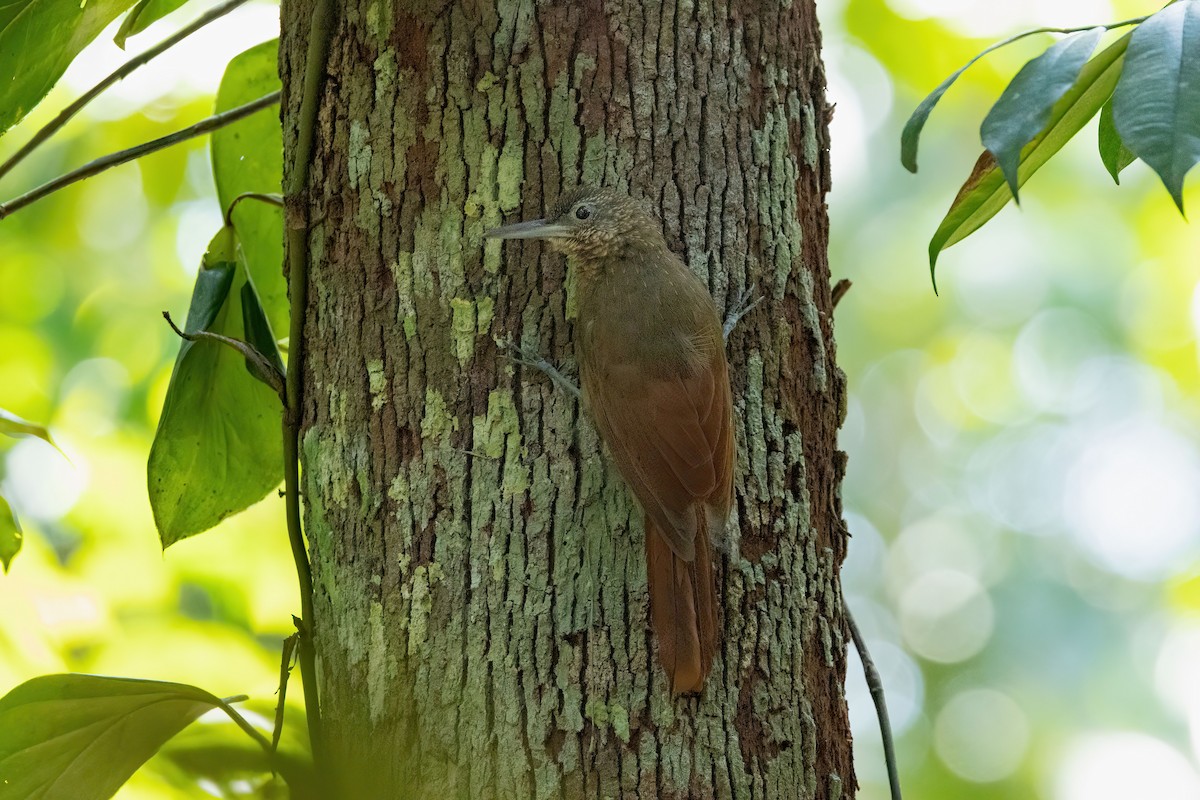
(10, 534)
(38, 39)
(248, 157)
(910, 137)
(986, 192)
(143, 15)
(80, 737)
(1156, 107)
(218, 448)
(1025, 104)
(12, 425)
(1113, 152)
(258, 332)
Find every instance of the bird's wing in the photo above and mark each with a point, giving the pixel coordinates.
(672, 439)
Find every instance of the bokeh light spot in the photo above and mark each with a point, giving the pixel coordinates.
(946, 616)
(981, 735)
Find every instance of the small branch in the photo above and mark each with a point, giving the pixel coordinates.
(839, 291)
(271, 199)
(262, 369)
(121, 72)
(115, 159)
(875, 685)
(320, 34)
(285, 671)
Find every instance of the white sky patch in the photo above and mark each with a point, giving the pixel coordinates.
(192, 67)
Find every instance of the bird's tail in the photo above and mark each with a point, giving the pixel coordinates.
(683, 609)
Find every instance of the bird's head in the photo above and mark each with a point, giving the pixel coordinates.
(590, 223)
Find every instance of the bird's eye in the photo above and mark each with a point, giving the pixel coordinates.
(582, 212)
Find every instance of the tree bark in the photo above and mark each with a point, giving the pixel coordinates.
(481, 609)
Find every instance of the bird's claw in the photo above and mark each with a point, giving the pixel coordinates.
(531, 358)
(742, 305)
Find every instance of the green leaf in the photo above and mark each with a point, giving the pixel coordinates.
(1113, 152)
(910, 137)
(985, 192)
(1156, 107)
(80, 737)
(1025, 104)
(12, 425)
(143, 15)
(248, 157)
(218, 448)
(258, 332)
(38, 40)
(10, 534)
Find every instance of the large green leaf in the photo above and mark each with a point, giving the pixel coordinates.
(10, 534)
(218, 448)
(143, 15)
(248, 157)
(38, 40)
(1025, 104)
(985, 192)
(1156, 107)
(80, 737)
(1113, 152)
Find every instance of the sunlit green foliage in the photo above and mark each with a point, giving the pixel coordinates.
(1151, 74)
(218, 448)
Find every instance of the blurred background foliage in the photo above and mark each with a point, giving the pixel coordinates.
(1024, 481)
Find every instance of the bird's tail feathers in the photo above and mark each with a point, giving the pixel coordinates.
(683, 609)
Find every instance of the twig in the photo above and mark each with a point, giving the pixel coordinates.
(115, 159)
(271, 199)
(320, 33)
(285, 671)
(52, 127)
(875, 685)
(839, 291)
(261, 368)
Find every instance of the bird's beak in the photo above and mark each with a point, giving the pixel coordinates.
(534, 229)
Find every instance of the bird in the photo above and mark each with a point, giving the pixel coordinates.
(650, 350)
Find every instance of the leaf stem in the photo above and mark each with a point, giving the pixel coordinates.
(297, 220)
(262, 197)
(52, 127)
(278, 764)
(262, 368)
(111, 160)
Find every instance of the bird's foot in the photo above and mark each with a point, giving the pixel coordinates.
(531, 358)
(743, 305)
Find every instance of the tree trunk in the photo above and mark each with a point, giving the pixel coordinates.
(480, 590)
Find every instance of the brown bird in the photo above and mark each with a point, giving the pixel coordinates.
(651, 356)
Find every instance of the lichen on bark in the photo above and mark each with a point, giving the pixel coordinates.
(480, 587)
